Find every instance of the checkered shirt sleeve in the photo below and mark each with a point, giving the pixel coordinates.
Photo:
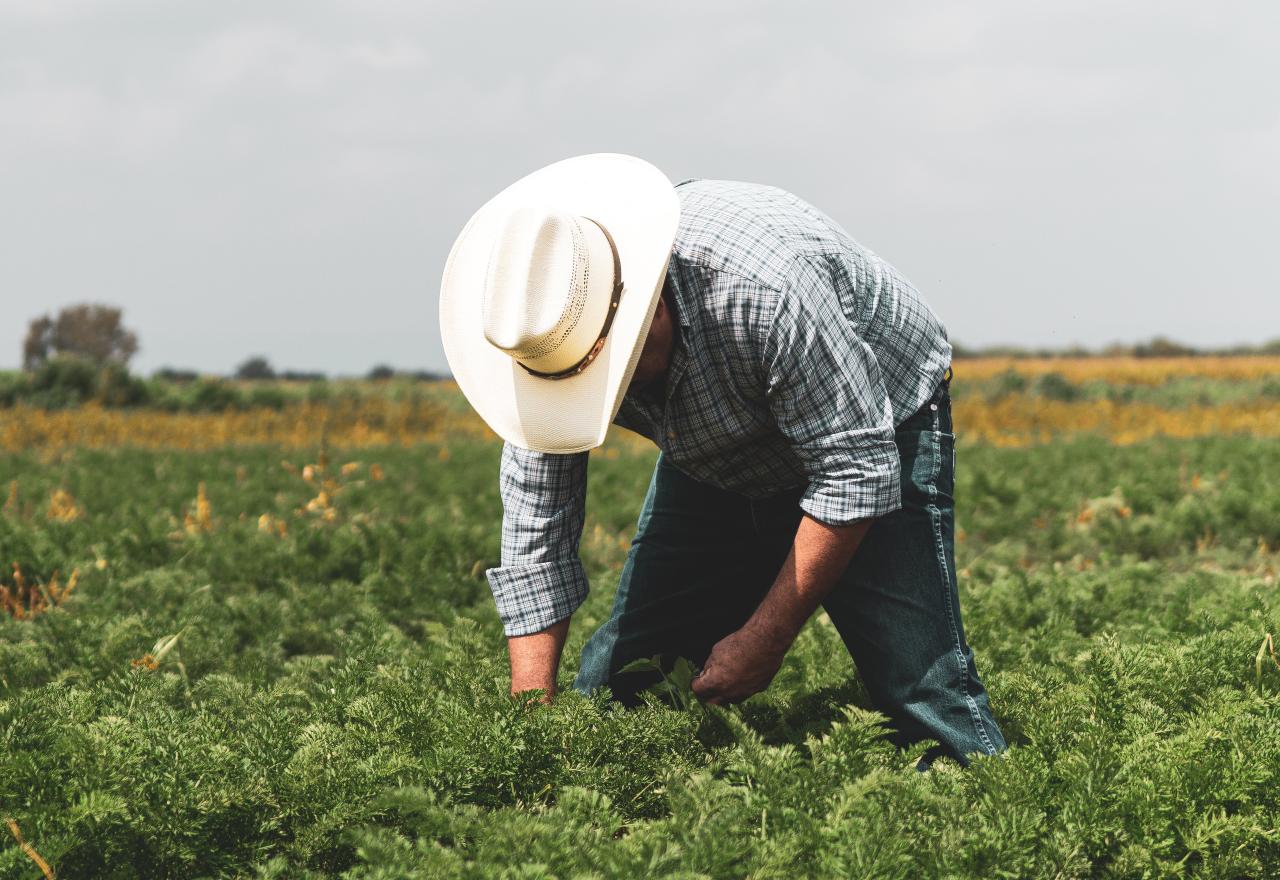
(828, 397)
(544, 499)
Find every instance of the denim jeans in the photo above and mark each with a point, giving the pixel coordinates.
(703, 558)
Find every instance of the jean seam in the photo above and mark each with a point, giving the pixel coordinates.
(935, 517)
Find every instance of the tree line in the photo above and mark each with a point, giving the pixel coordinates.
(82, 354)
(95, 333)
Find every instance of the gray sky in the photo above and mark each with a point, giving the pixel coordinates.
(286, 179)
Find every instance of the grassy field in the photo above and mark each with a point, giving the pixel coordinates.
(249, 659)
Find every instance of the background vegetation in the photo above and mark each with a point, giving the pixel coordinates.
(82, 355)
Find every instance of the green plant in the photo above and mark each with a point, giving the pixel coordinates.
(63, 381)
(337, 701)
(676, 680)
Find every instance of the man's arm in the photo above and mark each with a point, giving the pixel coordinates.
(828, 398)
(540, 582)
(535, 658)
(744, 662)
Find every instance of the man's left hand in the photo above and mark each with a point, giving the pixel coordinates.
(741, 664)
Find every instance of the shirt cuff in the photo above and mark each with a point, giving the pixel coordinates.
(871, 488)
(533, 596)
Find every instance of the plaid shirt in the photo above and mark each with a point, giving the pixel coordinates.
(797, 352)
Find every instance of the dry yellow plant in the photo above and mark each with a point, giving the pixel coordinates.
(28, 849)
(25, 599)
(201, 519)
(354, 424)
(1011, 420)
(1018, 420)
(63, 507)
(1122, 370)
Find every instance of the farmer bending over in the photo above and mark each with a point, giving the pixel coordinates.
(797, 387)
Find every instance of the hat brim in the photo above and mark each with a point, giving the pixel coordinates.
(638, 205)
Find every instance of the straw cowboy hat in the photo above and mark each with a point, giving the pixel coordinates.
(548, 294)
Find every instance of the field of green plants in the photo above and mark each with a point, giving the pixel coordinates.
(287, 665)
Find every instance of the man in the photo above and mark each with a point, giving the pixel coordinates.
(797, 387)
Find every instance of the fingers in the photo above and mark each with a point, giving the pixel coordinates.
(704, 686)
(710, 689)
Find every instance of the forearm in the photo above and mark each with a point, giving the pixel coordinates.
(543, 509)
(745, 661)
(535, 658)
(819, 555)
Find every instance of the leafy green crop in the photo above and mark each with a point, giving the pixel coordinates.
(279, 685)
(676, 683)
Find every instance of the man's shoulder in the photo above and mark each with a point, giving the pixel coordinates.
(691, 186)
(730, 202)
(736, 232)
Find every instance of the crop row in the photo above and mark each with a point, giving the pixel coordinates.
(280, 663)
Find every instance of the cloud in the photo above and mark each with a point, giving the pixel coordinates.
(1042, 170)
(392, 56)
(263, 55)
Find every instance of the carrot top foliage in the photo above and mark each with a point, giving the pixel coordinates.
(283, 664)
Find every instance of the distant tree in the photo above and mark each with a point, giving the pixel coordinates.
(35, 348)
(382, 372)
(303, 376)
(174, 374)
(1162, 347)
(1055, 386)
(256, 367)
(88, 330)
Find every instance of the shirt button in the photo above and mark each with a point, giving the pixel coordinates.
(933, 406)
(671, 435)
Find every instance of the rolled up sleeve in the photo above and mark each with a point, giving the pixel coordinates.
(541, 580)
(828, 397)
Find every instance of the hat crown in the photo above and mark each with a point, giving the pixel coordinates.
(537, 284)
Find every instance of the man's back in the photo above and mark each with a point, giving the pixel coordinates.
(787, 326)
(758, 232)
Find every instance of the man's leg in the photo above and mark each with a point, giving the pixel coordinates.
(693, 575)
(703, 558)
(897, 609)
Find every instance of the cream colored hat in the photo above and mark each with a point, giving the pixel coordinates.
(548, 294)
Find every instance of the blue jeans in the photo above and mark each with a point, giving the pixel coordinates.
(703, 558)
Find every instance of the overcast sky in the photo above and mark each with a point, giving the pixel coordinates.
(286, 179)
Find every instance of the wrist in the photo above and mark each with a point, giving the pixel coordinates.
(533, 676)
(535, 658)
(773, 632)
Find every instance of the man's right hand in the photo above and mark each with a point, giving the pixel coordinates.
(535, 659)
